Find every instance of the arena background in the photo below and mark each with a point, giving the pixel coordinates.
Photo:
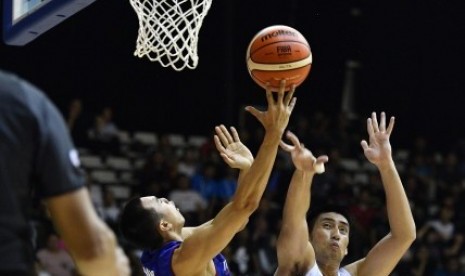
(411, 56)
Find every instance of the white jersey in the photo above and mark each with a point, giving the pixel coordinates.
(315, 271)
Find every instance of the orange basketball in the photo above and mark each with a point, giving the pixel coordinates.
(279, 52)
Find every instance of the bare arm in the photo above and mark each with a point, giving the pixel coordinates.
(91, 243)
(295, 252)
(385, 255)
(206, 242)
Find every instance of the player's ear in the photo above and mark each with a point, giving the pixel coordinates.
(164, 225)
(346, 251)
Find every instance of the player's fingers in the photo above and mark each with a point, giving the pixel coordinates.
(370, 129)
(382, 123)
(322, 159)
(281, 92)
(235, 134)
(226, 159)
(227, 134)
(269, 94)
(293, 138)
(285, 147)
(255, 112)
(292, 104)
(364, 145)
(221, 136)
(218, 144)
(391, 125)
(289, 95)
(374, 121)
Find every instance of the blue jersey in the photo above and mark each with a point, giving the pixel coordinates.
(158, 262)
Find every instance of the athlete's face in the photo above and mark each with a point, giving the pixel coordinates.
(166, 209)
(330, 237)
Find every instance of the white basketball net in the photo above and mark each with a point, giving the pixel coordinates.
(169, 30)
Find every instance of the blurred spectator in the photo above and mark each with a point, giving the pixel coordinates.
(156, 171)
(190, 202)
(242, 254)
(264, 242)
(78, 123)
(54, 259)
(205, 180)
(189, 162)
(103, 136)
(110, 209)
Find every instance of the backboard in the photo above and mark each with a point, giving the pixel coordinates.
(25, 20)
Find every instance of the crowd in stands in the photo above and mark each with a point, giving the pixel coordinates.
(195, 178)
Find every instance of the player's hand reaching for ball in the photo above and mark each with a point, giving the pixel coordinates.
(231, 149)
(303, 158)
(276, 117)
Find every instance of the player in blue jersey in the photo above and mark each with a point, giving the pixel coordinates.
(328, 237)
(156, 225)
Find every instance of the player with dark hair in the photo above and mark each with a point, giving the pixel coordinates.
(156, 225)
(37, 157)
(321, 250)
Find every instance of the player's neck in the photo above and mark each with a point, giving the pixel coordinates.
(329, 268)
(173, 235)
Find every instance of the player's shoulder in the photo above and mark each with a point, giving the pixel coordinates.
(352, 268)
(17, 92)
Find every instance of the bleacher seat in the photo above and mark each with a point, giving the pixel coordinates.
(104, 176)
(91, 162)
(119, 163)
(349, 164)
(196, 140)
(145, 138)
(176, 140)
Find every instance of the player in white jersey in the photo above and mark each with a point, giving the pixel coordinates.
(320, 251)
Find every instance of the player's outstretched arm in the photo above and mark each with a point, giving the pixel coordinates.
(199, 248)
(234, 153)
(295, 252)
(385, 255)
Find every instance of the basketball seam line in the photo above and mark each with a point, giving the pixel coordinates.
(280, 66)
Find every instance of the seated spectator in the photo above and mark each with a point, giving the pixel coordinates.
(110, 210)
(189, 201)
(103, 136)
(189, 162)
(54, 259)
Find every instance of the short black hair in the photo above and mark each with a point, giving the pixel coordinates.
(138, 225)
(315, 212)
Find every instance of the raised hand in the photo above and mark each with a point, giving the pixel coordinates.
(279, 111)
(378, 151)
(303, 158)
(231, 149)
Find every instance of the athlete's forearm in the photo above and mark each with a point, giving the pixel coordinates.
(253, 183)
(398, 208)
(298, 198)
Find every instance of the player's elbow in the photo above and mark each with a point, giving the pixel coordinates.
(411, 234)
(407, 236)
(247, 206)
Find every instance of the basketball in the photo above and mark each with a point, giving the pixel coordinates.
(279, 52)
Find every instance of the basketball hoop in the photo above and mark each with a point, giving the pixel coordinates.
(169, 31)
